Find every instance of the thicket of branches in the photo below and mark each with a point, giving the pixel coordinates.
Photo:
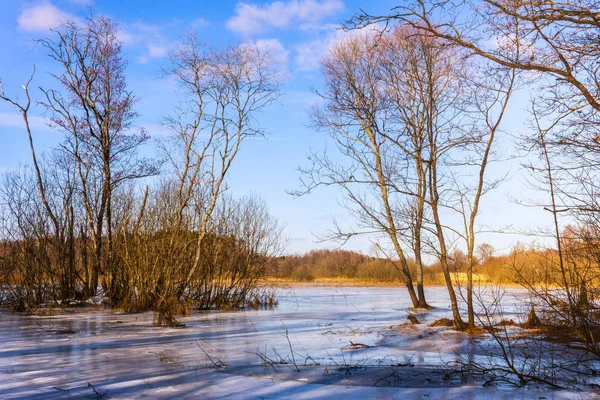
(415, 100)
(93, 214)
(414, 121)
(409, 142)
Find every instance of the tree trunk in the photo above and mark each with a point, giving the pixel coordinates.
(443, 252)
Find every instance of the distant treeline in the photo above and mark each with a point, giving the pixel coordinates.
(518, 266)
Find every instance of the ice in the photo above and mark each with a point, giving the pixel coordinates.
(347, 342)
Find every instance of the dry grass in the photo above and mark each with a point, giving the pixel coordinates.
(476, 331)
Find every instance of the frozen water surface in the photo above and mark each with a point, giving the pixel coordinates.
(348, 342)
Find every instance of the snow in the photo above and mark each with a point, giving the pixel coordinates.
(90, 353)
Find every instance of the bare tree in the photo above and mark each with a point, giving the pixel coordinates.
(485, 252)
(221, 90)
(403, 76)
(390, 100)
(96, 109)
(554, 39)
(355, 116)
(490, 98)
(555, 46)
(24, 111)
(60, 238)
(567, 275)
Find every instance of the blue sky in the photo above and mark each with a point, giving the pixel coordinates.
(295, 32)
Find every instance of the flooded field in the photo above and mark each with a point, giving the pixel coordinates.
(318, 343)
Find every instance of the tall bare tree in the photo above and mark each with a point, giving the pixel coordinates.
(23, 109)
(490, 96)
(221, 91)
(60, 237)
(355, 116)
(402, 74)
(96, 109)
(390, 100)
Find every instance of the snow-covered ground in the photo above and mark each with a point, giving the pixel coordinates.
(346, 342)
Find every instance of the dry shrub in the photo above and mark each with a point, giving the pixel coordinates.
(533, 322)
(262, 299)
(442, 322)
(166, 310)
(507, 322)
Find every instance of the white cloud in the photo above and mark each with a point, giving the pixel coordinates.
(139, 33)
(251, 19)
(15, 120)
(309, 54)
(43, 17)
(200, 23)
(149, 29)
(125, 37)
(275, 50)
(149, 38)
(157, 50)
(83, 2)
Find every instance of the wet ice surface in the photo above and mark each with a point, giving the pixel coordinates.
(347, 342)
